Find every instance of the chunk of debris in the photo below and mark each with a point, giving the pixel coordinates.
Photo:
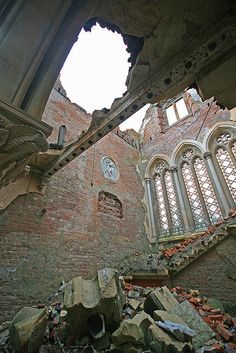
(189, 315)
(83, 298)
(162, 299)
(128, 332)
(181, 332)
(27, 330)
(161, 341)
(133, 330)
(162, 315)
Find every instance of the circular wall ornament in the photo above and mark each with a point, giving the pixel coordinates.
(109, 169)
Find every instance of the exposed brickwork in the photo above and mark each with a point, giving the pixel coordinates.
(67, 232)
(59, 235)
(110, 204)
(155, 141)
(214, 274)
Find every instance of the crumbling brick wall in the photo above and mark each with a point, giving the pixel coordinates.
(195, 126)
(62, 234)
(214, 274)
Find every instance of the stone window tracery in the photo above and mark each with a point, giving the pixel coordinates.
(169, 215)
(193, 196)
(174, 208)
(227, 169)
(195, 192)
(225, 153)
(234, 149)
(164, 225)
(207, 191)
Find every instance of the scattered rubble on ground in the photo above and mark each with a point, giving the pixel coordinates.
(108, 315)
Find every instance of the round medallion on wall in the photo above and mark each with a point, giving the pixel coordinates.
(109, 169)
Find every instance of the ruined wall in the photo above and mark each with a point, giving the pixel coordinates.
(162, 140)
(214, 274)
(66, 231)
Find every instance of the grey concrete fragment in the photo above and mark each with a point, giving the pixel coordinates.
(181, 332)
(134, 304)
(188, 314)
(162, 315)
(27, 330)
(160, 299)
(84, 298)
(128, 332)
(143, 321)
(160, 341)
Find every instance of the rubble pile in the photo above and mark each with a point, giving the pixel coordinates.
(175, 258)
(180, 255)
(108, 315)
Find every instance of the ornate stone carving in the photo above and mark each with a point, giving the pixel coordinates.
(17, 144)
(188, 154)
(109, 169)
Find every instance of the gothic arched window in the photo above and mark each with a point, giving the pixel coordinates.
(225, 156)
(169, 215)
(201, 196)
(193, 194)
(207, 191)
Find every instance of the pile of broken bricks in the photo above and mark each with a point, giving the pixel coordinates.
(108, 315)
(178, 256)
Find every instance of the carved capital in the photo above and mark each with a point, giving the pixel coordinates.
(17, 144)
(207, 155)
(147, 180)
(174, 169)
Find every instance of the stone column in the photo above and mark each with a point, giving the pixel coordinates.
(151, 217)
(220, 195)
(180, 198)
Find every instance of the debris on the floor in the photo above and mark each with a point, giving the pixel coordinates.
(27, 330)
(108, 315)
(84, 298)
(191, 317)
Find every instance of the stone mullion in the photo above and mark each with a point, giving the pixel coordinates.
(166, 200)
(192, 226)
(222, 179)
(150, 211)
(176, 112)
(200, 194)
(180, 200)
(156, 214)
(216, 184)
(231, 154)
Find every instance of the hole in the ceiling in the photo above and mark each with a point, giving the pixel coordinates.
(96, 68)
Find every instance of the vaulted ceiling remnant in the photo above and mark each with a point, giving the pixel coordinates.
(172, 45)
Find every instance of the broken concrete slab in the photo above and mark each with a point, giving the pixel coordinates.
(161, 341)
(160, 299)
(134, 304)
(128, 332)
(143, 321)
(27, 330)
(190, 316)
(181, 332)
(83, 298)
(162, 315)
